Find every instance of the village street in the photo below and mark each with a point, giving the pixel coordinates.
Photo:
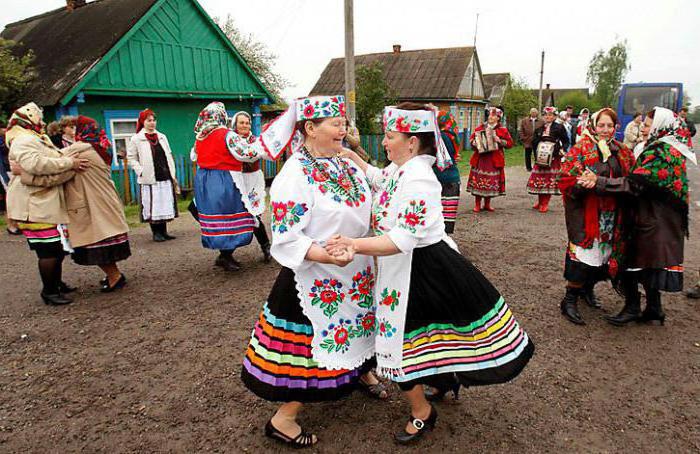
(155, 367)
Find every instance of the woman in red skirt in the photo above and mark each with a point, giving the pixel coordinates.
(543, 179)
(487, 177)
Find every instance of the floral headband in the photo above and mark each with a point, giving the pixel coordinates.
(550, 109)
(413, 121)
(495, 111)
(278, 134)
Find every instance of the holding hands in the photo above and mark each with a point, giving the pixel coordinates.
(588, 179)
(341, 249)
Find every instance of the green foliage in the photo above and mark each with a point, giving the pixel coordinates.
(256, 54)
(373, 93)
(694, 115)
(518, 100)
(16, 72)
(607, 71)
(578, 101)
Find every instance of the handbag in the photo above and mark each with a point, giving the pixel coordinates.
(544, 154)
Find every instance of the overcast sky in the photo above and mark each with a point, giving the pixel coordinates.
(663, 36)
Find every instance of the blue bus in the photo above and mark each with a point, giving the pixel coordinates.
(643, 97)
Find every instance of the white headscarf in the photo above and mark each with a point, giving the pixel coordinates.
(667, 127)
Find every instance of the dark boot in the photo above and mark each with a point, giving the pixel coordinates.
(225, 260)
(653, 312)
(569, 306)
(589, 296)
(157, 233)
(55, 299)
(267, 256)
(164, 232)
(630, 312)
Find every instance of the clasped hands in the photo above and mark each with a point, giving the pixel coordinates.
(341, 249)
(587, 180)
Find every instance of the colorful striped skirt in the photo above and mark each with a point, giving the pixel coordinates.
(458, 329)
(544, 180)
(450, 203)
(278, 365)
(105, 252)
(44, 239)
(224, 220)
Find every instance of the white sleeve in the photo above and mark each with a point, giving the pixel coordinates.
(193, 154)
(244, 151)
(376, 177)
(291, 201)
(419, 210)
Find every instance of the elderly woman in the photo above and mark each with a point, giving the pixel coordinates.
(62, 133)
(98, 228)
(549, 143)
(487, 177)
(594, 221)
(315, 336)
(254, 181)
(440, 322)
(581, 124)
(659, 183)
(151, 158)
(40, 212)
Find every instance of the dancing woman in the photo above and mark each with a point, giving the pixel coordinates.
(440, 322)
(315, 336)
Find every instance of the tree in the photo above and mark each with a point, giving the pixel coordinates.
(256, 54)
(578, 101)
(16, 72)
(518, 100)
(373, 93)
(694, 115)
(607, 71)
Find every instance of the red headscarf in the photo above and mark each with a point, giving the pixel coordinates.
(87, 130)
(142, 118)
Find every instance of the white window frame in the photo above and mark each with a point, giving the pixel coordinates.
(115, 136)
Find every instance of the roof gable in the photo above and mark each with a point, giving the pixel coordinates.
(417, 74)
(67, 44)
(176, 51)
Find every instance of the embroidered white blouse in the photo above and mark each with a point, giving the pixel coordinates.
(310, 203)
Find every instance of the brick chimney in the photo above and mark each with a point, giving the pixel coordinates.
(74, 4)
(397, 48)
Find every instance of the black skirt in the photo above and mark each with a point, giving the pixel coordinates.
(278, 364)
(575, 271)
(105, 252)
(458, 327)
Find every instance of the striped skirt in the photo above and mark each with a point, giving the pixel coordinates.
(458, 327)
(45, 239)
(278, 365)
(224, 220)
(450, 202)
(105, 252)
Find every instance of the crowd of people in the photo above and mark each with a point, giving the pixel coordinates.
(371, 285)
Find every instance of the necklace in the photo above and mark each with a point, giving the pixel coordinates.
(352, 193)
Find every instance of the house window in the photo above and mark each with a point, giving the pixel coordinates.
(122, 130)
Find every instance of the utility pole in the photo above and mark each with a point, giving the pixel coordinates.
(541, 79)
(471, 90)
(349, 61)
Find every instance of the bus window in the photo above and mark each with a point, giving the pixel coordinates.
(643, 99)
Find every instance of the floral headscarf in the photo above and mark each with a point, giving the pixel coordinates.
(590, 131)
(668, 127)
(234, 121)
(29, 117)
(448, 125)
(87, 130)
(212, 117)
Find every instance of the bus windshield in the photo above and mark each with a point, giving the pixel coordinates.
(643, 99)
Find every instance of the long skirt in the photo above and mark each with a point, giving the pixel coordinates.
(158, 203)
(543, 180)
(105, 252)
(224, 220)
(669, 279)
(450, 203)
(485, 179)
(458, 329)
(278, 365)
(46, 240)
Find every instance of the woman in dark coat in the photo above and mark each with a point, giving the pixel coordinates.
(659, 182)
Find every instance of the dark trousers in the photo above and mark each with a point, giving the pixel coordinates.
(261, 234)
(528, 158)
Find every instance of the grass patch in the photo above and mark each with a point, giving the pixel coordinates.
(515, 157)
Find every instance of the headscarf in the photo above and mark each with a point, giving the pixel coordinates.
(448, 125)
(669, 128)
(143, 116)
(28, 118)
(212, 117)
(87, 130)
(234, 121)
(590, 131)
(495, 111)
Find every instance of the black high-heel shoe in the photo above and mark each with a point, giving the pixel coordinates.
(119, 284)
(436, 394)
(421, 425)
(303, 440)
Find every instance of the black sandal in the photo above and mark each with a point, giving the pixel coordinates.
(375, 391)
(303, 440)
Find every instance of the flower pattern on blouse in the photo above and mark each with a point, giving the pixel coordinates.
(390, 298)
(413, 216)
(341, 186)
(380, 209)
(286, 214)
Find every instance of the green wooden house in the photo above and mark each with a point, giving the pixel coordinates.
(110, 59)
